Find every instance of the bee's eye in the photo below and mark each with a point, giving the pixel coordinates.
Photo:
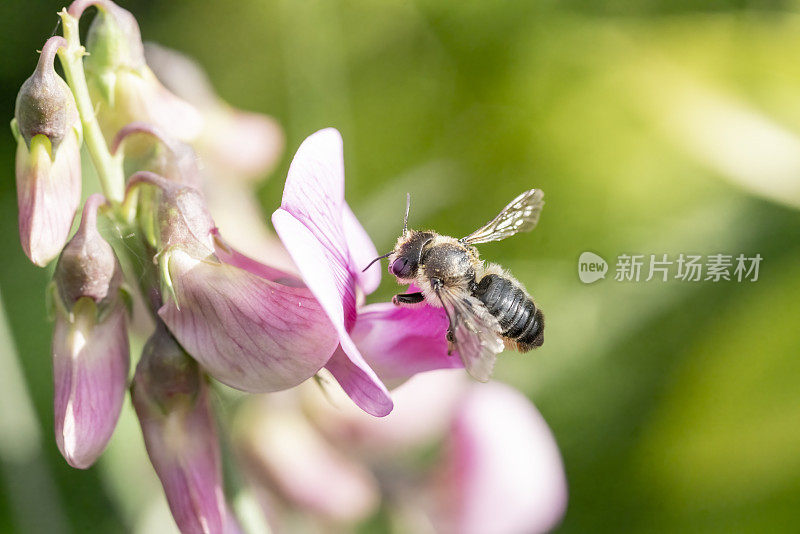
(401, 267)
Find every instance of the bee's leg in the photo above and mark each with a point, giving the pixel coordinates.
(408, 298)
(451, 328)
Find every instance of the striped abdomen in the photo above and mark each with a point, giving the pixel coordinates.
(518, 316)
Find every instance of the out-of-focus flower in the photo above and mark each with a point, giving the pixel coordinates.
(502, 471)
(285, 454)
(330, 248)
(170, 396)
(121, 84)
(48, 167)
(236, 145)
(492, 463)
(237, 148)
(250, 326)
(90, 343)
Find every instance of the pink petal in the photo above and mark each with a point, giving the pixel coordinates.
(90, 374)
(248, 332)
(288, 455)
(399, 342)
(48, 194)
(362, 251)
(314, 261)
(314, 197)
(184, 450)
(503, 473)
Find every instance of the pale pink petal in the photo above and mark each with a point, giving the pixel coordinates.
(362, 251)
(183, 448)
(424, 408)
(287, 455)
(248, 332)
(401, 341)
(503, 472)
(48, 195)
(90, 375)
(313, 262)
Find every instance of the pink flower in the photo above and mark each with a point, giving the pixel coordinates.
(90, 343)
(48, 165)
(250, 326)
(170, 396)
(330, 249)
(502, 471)
(494, 465)
(120, 81)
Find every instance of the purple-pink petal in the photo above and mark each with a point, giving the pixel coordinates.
(183, 448)
(90, 374)
(313, 261)
(399, 342)
(503, 472)
(48, 194)
(362, 251)
(248, 332)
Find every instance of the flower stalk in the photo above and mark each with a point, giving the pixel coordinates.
(109, 169)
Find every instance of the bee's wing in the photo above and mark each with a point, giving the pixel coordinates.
(476, 332)
(521, 215)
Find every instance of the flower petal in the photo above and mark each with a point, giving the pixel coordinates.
(183, 448)
(362, 251)
(314, 263)
(288, 455)
(503, 473)
(248, 332)
(90, 375)
(48, 194)
(401, 341)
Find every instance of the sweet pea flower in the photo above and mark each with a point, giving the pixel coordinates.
(330, 248)
(48, 163)
(495, 466)
(90, 343)
(171, 399)
(250, 326)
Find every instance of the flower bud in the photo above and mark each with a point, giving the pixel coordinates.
(171, 400)
(120, 80)
(90, 343)
(48, 162)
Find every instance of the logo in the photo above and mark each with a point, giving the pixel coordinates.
(591, 267)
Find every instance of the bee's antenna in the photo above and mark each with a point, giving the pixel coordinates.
(376, 259)
(408, 209)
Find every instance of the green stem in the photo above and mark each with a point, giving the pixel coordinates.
(109, 169)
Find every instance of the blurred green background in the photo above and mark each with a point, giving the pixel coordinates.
(653, 127)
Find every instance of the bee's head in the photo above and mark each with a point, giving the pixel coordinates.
(404, 261)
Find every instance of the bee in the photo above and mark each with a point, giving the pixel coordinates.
(487, 308)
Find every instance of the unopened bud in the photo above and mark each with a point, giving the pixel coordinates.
(48, 163)
(171, 400)
(90, 343)
(119, 77)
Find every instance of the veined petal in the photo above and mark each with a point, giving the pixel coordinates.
(90, 374)
(314, 197)
(399, 341)
(48, 194)
(503, 472)
(362, 251)
(170, 396)
(313, 261)
(248, 332)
